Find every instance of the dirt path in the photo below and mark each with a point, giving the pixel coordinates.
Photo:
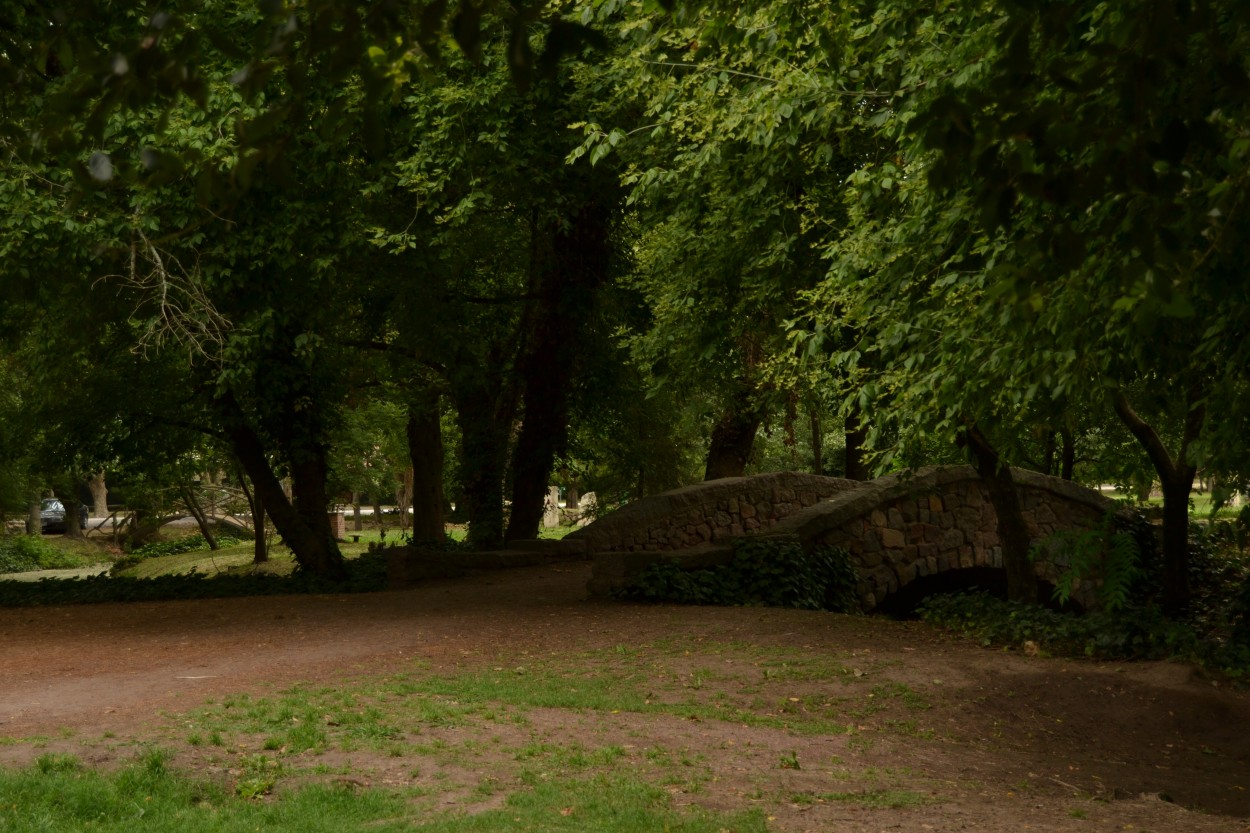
(1013, 739)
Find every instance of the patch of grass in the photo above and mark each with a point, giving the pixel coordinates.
(604, 805)
(877, 799)
(146, 796)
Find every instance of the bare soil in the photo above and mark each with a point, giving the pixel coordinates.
(1001, 741)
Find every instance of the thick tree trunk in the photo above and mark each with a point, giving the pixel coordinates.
(570, 265)
(425, 449)
(99, 495)
(302, 521)
(34, 522)
(1013, 534)
(483, 448)
(856, 437)
(73, 517)
(1176, 476)
(733, 437)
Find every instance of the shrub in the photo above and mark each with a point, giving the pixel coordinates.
(22, 553)
(1133, 632)
(771, 571)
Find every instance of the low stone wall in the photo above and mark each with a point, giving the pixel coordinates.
(718, 510)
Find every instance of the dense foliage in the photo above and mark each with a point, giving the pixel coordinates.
(773, 571)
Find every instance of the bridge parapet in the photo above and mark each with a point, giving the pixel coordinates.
(897, 528)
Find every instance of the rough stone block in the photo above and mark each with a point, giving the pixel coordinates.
(750, 523)
(935, 504)
(877, 517)
(733, 506)
(915, 532)
(895, 517)
(946, 520)
(736, 529)
(952, 539)
(892, 538)
(746, 510)
(967, 558)
(870, 559)
(872, 543)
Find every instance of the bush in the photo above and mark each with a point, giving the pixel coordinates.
(1133, 632)
(22, 553)
(770, 571)
(365, 575)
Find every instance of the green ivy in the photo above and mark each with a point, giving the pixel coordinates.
(769, 571)
(1133, 632)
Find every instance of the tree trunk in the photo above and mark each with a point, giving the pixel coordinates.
(34, 522)
(99, 495)
(358, 523)
(1176, 476)
(73, 517)
(483, 449)
(1013, 534)
(197, 512)
(1068, 464)
(818, 440)
(856, 436)
(260, 545)
(570, 265)
(733, 437)
(425, 449)
(302, 521)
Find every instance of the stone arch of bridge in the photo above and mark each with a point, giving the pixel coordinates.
(897, 528)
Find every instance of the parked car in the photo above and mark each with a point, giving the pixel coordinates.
(52, 515)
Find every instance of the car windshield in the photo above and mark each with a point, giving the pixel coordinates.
(52, 505)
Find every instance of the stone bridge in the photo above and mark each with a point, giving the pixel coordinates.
(898, 528)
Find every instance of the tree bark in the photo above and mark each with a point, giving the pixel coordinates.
(1013, 534)
(1176, 476)
(570, 265)
(99, 495)
(197, 512)
(302, 521)
(1068, 460)
(425, 449)
(34, 521)
(733, 437)
(483, 449)
(260, 545)
(856, 437)
(818, 440)
(73, 517)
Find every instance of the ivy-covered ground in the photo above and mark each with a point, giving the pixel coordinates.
(510, 701)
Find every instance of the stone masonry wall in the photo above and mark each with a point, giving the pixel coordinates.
(719, 510)
(900, 528)
(897, 528)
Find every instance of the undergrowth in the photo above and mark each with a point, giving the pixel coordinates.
(365, 574)
(22, 553)
(770, 571)
(1131, 632)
